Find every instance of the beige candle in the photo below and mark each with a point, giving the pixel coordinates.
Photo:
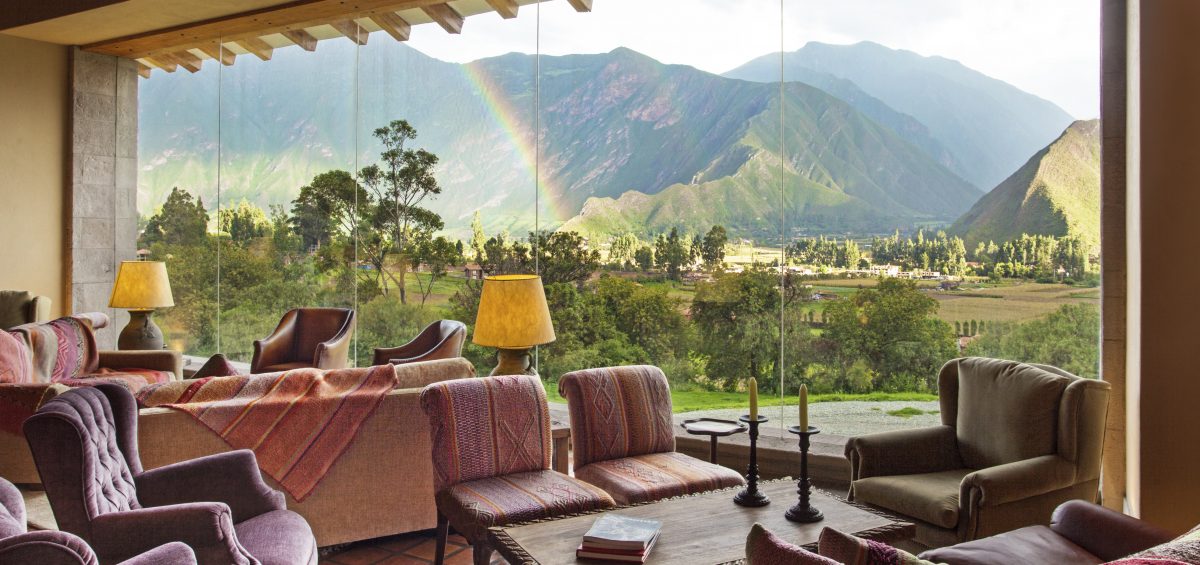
(804, 407)
(753, 386)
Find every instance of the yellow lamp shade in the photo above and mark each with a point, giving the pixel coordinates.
(142, 285)
(513, 313)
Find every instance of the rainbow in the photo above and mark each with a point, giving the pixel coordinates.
(509, 119)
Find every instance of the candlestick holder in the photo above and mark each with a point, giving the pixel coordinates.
(803, 511)
(751, 496)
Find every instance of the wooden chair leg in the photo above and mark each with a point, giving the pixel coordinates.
(482, 552)
(443, 531)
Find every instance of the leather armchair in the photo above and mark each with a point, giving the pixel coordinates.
(1079, 532)
(22, 307)
(442, 339)
(1016, 441)
(51, 547)
(306, 337)
(85, 445)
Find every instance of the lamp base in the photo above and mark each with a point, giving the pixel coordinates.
(141, 332)
(513, 362)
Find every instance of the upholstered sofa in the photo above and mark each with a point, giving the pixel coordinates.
(54, 370)
(381, 485)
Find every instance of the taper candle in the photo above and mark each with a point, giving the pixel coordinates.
(803, 407)
(753, 386)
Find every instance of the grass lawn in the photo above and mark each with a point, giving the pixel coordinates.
(691, 400)
(1010, 302)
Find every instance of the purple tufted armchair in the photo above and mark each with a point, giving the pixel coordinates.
(60, 548)
(84, 442)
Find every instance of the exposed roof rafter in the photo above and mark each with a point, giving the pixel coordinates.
(393, 24)
(301, 38)
(351, 30)
(258, 47)
(445, 16)
(506, 8)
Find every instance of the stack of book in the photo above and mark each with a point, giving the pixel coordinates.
(619, 538)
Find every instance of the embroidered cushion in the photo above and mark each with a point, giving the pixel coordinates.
(474, 506)
(766, 548)
(656, 476)
(618, 412)
(15, 364)
(216, 366)
(487, 427)
(852, 550)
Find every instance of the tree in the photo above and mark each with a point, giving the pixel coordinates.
(478, 238)
(737, 319)
(180, 221)
(436, 254)
(713, 247)
(562, 256)
(402, 181)
(622, 249)
(669, 253)
(244, 222)
(1068, 338)
(644, 257)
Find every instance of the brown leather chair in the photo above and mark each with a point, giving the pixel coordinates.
(442, 339)
(306, 337)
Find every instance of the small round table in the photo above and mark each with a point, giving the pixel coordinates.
(714, 428)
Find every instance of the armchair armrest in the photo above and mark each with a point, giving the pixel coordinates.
(157, 360)
(334, 353)
(904, 452)
(1018, 480)
(391, 354)
(1105, 533)
(174, 553)
(39, 309)
(273, 349)
(231, 478)
(205, 526)
(49, 547)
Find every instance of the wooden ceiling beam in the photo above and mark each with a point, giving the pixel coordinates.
(188, 60)
(297, 14)
(257, 46)
(301, 38)
(17, 14)
(393, 24)
(351, 30)
(143, 69)
(581, 5)
(445, 16)
(163, 62)
(218, 52)
(506, 8)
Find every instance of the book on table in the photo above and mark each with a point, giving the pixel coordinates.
(619, 538)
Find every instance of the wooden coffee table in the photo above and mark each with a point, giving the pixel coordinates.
(701, 529)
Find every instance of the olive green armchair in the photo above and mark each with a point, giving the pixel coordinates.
(22, 307)
(1016, 441)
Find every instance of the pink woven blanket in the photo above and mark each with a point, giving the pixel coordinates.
(297, 422)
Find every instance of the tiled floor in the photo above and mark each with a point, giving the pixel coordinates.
(404, 549)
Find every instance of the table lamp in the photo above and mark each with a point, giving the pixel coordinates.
(141, 287)
(513, 317)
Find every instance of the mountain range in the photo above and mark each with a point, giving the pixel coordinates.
(1056, 192)
(626, 143)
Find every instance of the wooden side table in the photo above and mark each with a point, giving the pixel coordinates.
(713, 428)
(560, 432)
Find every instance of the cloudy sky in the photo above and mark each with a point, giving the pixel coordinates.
(1050, 48)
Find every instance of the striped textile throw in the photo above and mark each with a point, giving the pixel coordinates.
(297, 423)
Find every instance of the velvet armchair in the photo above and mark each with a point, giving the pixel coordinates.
(1016, 441)
(51, 547)
(306, 337)
(624, 440)
(442, 339)
(84, 443)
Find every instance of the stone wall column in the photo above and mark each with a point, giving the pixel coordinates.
(103, 182)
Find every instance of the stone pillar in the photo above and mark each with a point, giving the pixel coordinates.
(103, 181)
(1113, 63)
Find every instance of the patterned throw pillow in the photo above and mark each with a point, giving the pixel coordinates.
(1185, 548)
(766, 548)
(15, 365)
(852, 550)
(216, 366)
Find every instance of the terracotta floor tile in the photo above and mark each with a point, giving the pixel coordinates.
(360, 555)
(404, 560)
(401, 542)
(425, 550)
(458, 539)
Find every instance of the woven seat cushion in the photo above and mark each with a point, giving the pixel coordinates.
(656, 476)
(474, 506)
(930, 497)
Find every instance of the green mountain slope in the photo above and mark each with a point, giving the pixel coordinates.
(989, 126)
(1056, 192)
(608, 124)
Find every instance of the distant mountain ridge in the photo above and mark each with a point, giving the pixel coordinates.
(1056, 192)
(989, 126)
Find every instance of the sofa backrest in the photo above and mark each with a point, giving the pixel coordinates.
(1002, 411)
(487, 427)
(618, 412)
